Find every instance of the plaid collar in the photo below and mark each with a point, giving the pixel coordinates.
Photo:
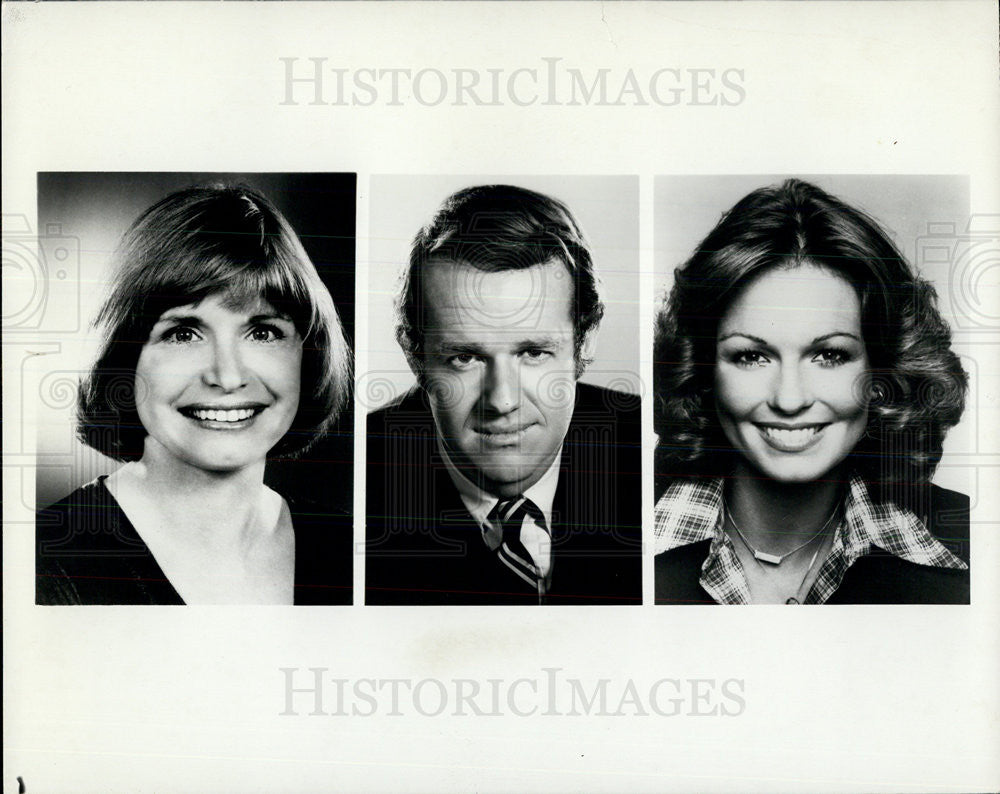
(691, 511)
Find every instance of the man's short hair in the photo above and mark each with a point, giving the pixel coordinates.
(496, 228)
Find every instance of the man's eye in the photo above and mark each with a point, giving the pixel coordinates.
(462, 361)
(266, 333)
(179, 334)
(535, 355)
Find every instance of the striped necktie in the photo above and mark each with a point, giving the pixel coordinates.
(509, 515)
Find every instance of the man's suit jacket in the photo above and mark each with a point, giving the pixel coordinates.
(423, 546)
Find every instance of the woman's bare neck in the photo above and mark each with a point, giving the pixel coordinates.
(777, 516)
(216, 508)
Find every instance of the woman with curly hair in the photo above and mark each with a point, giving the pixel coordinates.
(805, 381)
(221, 347)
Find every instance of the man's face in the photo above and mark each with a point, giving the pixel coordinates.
(499, 368)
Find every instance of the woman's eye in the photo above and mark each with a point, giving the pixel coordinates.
(831, 357)
(266, 333)
(749, 359)
(179, 334)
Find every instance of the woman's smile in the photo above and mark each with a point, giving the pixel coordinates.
(789, 361)
(220, 382)
(791, 439)
(223, 417)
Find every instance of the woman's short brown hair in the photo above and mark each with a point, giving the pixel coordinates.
(194, 243)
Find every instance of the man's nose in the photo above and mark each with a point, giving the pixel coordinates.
(225, 369)
(501, 387)
(792, 392)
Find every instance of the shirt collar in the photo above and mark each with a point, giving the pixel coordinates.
(886, 526)
(479, 503)
(691, 511)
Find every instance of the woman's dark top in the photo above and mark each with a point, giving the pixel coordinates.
(88, 552)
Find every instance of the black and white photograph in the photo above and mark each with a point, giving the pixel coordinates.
(206, 445)
(505, 470)
(805, 382)
(457, 364)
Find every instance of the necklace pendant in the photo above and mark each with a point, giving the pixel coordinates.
(770, 559)
(793, 600)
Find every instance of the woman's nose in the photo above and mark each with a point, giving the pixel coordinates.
(791, 393)
(225, 370)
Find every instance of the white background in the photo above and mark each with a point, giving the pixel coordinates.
(838, 698)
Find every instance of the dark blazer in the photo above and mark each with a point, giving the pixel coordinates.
(88, 552)
(423, 547)
(877, 578)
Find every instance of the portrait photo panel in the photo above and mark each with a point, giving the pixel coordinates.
(504, 453)
(812, 374)
(215, 322)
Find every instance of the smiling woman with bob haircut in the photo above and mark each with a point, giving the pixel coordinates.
(805, 382)
(221, 347)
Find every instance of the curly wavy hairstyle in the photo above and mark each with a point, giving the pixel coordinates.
(915, 387)
(194, 243)
(495, 228)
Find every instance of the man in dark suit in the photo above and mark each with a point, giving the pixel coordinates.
(500, 479)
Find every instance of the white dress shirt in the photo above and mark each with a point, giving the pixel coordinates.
(535, 539)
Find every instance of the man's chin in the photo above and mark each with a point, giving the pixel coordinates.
(509, 488)
(509, 479)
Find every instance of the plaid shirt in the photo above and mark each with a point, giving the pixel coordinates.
(691, 511)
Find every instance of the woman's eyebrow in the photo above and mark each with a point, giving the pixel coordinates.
(751, 337)
(259, 318)
(816, 341)
(187, 319)
(824, 337)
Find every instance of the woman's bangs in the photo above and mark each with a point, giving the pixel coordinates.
(245, 284)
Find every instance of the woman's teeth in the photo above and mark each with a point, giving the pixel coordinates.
(231, 415)
(799, 435)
